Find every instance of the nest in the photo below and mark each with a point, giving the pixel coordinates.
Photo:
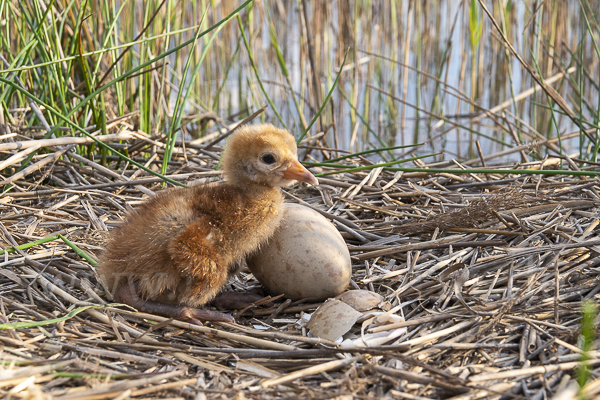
(487, 276)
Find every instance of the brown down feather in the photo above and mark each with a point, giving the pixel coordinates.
(179, 246)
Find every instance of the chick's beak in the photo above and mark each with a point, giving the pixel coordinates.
(298, 172)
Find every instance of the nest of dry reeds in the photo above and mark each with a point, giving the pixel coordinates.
(488, 273)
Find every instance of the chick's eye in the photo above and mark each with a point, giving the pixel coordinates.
(268, 159)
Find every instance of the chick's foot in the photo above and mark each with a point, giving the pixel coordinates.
(128, 295)
(236, 300)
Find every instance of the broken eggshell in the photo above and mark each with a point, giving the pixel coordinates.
(332, 320)
(361, 300)
(306, 257)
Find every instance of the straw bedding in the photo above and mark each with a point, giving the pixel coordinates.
(488, 274)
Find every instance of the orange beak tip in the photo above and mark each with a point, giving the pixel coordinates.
(298, 172)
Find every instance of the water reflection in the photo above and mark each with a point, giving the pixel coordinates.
(433, 78)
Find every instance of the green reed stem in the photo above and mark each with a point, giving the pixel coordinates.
(337, 78)
(255, 69)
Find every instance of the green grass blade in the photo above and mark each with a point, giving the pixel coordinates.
(181, 100)
(594, 155)
(385, 166)
(284, 68)
(81, 130)
(229, 66)
(21, 325)
(365, 122)
(337, 78)
(77, 250)
(30, 244)
(132, 71)
(255, 69)
(362, 153)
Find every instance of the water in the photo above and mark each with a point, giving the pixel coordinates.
(438, 44)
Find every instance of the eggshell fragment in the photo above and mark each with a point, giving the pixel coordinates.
(306, 257)
(332, 320)
(361, 300)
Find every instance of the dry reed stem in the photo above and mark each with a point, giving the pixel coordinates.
(530, 250)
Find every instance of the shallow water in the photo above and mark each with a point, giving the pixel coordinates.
(439, 44)
(432, 99)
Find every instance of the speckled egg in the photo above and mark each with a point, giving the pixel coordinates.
(306, 257)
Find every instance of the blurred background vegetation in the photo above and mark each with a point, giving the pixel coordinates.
(416, 71)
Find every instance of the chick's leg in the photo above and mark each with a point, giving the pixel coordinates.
(128, 295)
(236, 300)
(229, 300)
(198, 257)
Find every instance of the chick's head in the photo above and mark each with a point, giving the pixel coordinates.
(265, 155)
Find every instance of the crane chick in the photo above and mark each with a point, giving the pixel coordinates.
(175, 252)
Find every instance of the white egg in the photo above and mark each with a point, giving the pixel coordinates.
(306, 257)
